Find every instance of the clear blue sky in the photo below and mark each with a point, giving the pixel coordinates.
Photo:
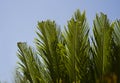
(18, 21)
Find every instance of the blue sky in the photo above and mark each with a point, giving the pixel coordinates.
(18, 21)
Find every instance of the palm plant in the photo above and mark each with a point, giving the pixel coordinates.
(69, 56)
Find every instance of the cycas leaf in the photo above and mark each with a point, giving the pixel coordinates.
(19, 78)
(77, 44)
(48, 43)
(102, 45)
(117, 32)
(116, 50)
(32, 69)
(21, 56)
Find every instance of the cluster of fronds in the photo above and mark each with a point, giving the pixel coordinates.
(72, 56)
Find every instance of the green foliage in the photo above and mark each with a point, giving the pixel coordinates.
(31, 68)
(102, 45)
(51, 49)
(70, 57)
(77, 46)
(116, 50)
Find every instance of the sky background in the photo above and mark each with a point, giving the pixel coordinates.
(18, 21)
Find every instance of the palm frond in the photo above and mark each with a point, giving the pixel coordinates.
(19, 78)
(30, 66)
(102, 45)
(50, 48)
(116, 50)
(77, 46)
(117, 32)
